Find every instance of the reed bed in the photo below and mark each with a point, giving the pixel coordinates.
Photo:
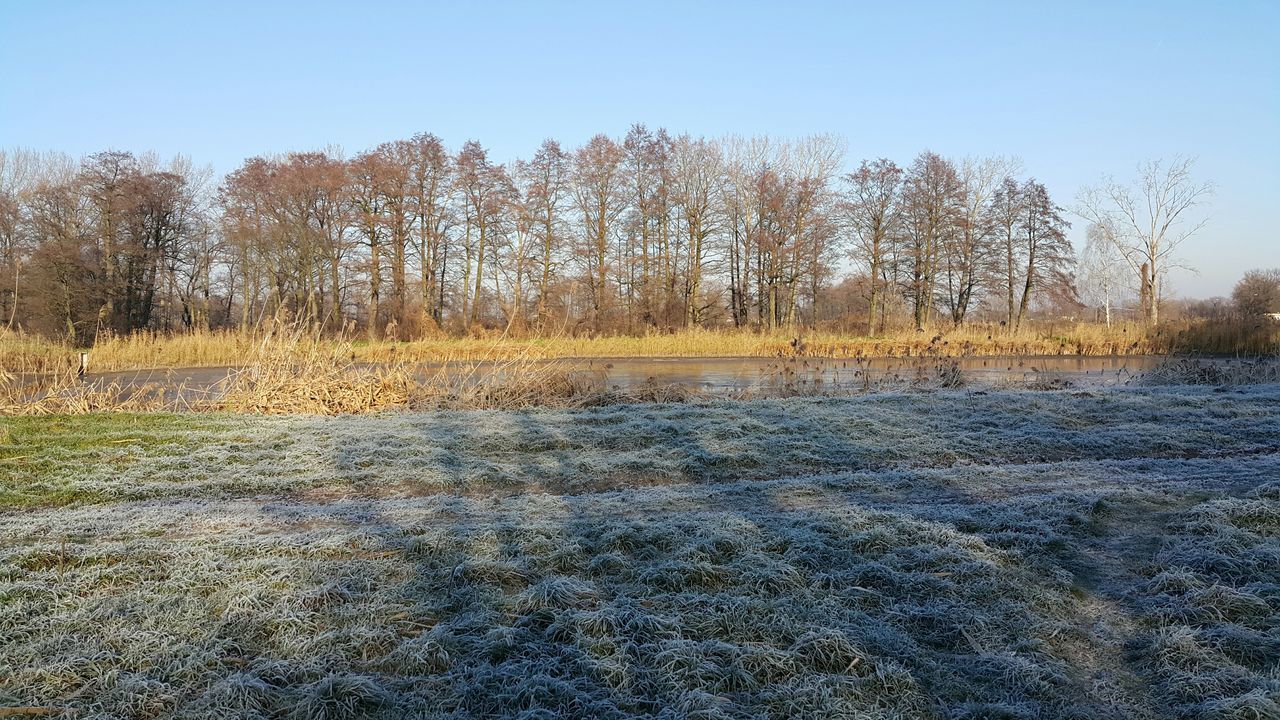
(21, 353)
(62, 392)
(304, 377)
(28, 354)
(296, 374)
(318, 381)
(975, 340)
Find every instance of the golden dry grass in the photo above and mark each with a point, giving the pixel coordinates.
(61, 392)
(298, 373)
(295, 374)
(1066, 339)
(20, 353)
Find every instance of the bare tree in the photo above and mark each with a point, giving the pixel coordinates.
(515, 260)
(64, 291)
(970, 252)
(747, 160)
(400, 211)
(697, 175)
(367, 174)
(103, 179)
(932, 206)
(871, 207)
(1102, 270)
(648, 256)
(431, 181)
(545, 183)
(486, 193)
(1046, 250)
(1006, 218)
(1148, 220)
(602, 195)
(18, 170)
(814, 160)
(1257, 293)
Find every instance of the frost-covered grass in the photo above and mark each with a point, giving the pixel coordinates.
(1214, 597)
(1190, 371)
(950, 555)
(147, 456)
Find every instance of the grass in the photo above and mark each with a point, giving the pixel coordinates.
(1188, 371)
(26, 354)
(1102, 554)
(42, 459)
(1213, 596)
(626, 446)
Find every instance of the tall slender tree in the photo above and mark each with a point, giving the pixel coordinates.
(932, 206)
(871, 207)
(602, 195)
(1046, 251)
(545, 182)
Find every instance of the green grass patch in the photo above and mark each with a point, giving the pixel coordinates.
(44, 458)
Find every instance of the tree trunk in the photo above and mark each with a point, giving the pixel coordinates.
(545, 281)
(375, 280)
(875, 287)
(1009, 280)
(1026, 290)
(475, 301)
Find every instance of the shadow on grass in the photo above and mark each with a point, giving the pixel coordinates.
(780, 559)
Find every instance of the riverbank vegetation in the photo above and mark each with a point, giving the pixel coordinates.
(642, 235)
(301, 375)
(643, 246)
(1225, 336)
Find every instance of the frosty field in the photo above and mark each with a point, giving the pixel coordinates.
(1109, 553)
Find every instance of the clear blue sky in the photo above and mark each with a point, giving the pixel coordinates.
(1076, 91)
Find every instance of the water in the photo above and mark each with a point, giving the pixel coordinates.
(762, 376)
(739, 374)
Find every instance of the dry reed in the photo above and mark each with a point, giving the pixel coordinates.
(277, 371)
(62, 392)
(297, 374)
(1189, 371)
(25, 353)
(300, 375)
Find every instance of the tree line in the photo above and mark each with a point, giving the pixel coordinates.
(646, 232)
